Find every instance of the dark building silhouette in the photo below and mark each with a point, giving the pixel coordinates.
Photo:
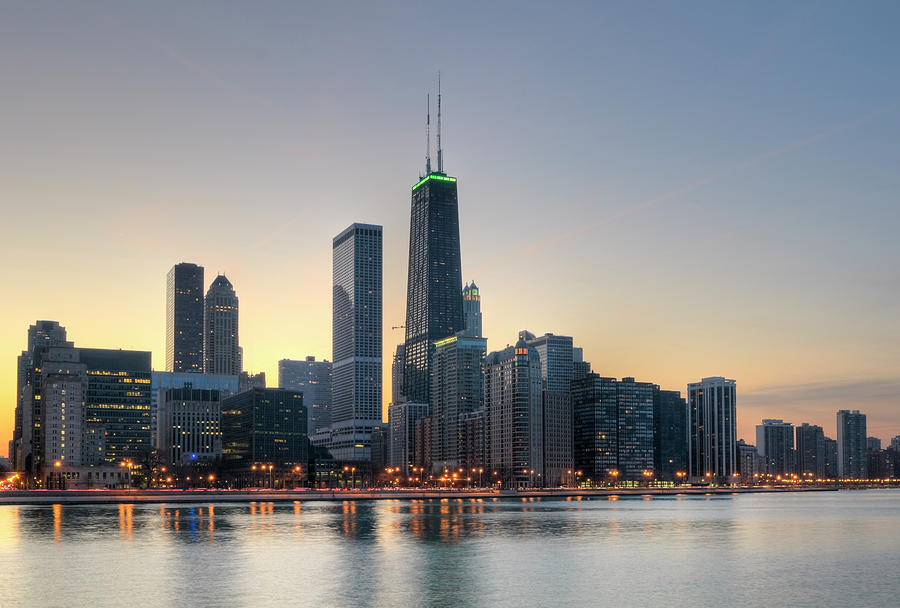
(810, 451)
(670, 435)
(264, 426)
(184, 318)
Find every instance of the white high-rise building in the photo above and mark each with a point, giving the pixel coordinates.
(712, 455)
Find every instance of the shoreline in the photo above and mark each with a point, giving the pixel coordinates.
(74, 497)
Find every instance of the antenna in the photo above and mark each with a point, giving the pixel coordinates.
(439, 151)
(428, 135)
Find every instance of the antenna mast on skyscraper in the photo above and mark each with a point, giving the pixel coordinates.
(439, 152)
(428, 135)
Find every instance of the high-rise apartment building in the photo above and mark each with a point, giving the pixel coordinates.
(63, 388)
(457, 388)
(434, 303)
(713, 435)
(810, 450)
(775, 442)
(313, 379)
(596, 428)
(851, 445)
(356, 340)
(635, 432)
(472, 309)
(670, 435)
(221, 352)
(513, 416)
(184, 318)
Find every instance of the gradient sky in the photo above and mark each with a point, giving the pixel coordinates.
(688, 191)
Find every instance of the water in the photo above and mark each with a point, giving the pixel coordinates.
(814, 549)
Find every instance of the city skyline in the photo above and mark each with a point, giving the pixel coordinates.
(798, 262)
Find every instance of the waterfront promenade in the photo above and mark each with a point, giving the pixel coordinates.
(46, 497)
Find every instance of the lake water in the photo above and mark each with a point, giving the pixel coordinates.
(792, 549)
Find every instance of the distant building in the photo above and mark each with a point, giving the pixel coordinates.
(513, 415)
(397, 367)
(596, 428)
(64, 385)
(457, 388)
(381, 447)
(356, 339)
(873, 444)
(472, 445)
(670, 435)
(831, 458)
(775, 442)
(472, 310)
(810, 450)
(190, 426)
(402, 418)
(635, 432)
(422, 453)
(895, 443)
(851, 444)
(160, 382)
(713, 436)
(313, 379)
(184, 318)
(264, 426)
(247, 380)
(580, 367)
(221, 352)
(749, 462)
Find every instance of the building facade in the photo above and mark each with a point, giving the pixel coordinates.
(190, 426)
(595, 428)
(160, 382)
(402, 418)
(221, 353)
(397, 368)
(184, 318)
(712, 456)
(775, 442)
(670, 435)
(313, 379)
(434, 303)
(356, 341)
(264, 426)
(472, 310)
(851, 445)
(810, 450)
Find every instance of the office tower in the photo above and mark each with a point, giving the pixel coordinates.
(831, 458)
(851, 444)
(184, 318)
(513, 415)
(749, 462)
(402, 418)
(810, 451)
(434, 303)
(775, 442)
(27, 433)
(356, 340)
(118, 401)
(670, 435)
(713, 438)
(457, 388)
(580, 367)
(64, 384)
(472, 310)
(635, 432)
(246, 381)
(264, 426)
(397, 368)
(160, 382)
(190, 426)
(595, 428)
(313, 379)
(221, 354)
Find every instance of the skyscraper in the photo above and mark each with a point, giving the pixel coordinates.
(472, 309)
(775, 442)
(713, 435)
(457, 389)
(810, 450)
(184, 318)
(220, 320)
(670, 435)
(313, 379)
(851, 445)
(356, 340)
(596, 427)
(434, 303)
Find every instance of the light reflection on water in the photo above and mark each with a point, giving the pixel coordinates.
(822, 549)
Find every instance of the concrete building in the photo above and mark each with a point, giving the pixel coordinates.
(513, 415)
(670, 435)
(160, 382)
(313, 379)
(471, 445)
(851, 445)
(810, 450)
(356, 340)
(64, 385)
(712, 456)
(775, 442)
(221, 353)
(190, 426)
(472, 310)
(184, 318)
(457, 388)
(402, 418)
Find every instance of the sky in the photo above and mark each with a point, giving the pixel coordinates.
(688, 190)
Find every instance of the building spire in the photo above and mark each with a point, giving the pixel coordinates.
(440, 157)
(428, 135)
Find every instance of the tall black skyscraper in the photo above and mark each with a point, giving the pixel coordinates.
(434, 305)
(184, 318)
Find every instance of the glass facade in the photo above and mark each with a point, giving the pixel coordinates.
(670, 435)
(184, 318)
(264, 426)
(434, 304)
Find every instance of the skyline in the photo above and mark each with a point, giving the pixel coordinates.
(602, 197)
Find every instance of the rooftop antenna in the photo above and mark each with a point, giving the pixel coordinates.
(428, 135)
(439, 152)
